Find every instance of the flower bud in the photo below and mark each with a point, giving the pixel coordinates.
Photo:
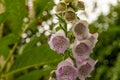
(70, 15)
(93, 39)
(67, 1)
(82, 49)
(80, 5)
(86, 68)
(59, 42)
(61, 7)
(66, 70)
(80, 30)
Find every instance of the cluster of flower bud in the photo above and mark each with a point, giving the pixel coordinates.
(68, 8)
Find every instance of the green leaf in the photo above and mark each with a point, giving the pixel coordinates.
(4, 51)
(32, 43)
(40, 6)
(9, 39)
(3, 17)
(5, 42)
(35, 56)
(34, 75)
(16, 12)
(116, 69)
(13, 17)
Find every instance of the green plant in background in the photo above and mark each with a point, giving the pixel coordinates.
(19, 59)
(24, 50)
(107, 51)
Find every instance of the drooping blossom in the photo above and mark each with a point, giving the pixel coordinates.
(80, 30)
(82, 48)
(93, 39)
(66, 70)
(59, 42)
(85, 68)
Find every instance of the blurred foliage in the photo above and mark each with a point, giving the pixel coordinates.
(107, 50)
(26, 61)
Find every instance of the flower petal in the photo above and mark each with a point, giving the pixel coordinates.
(93, 39)
(66, 71)
(59, 42)
(82, 48)
(86, 68)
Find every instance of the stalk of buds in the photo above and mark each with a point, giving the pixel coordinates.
(80, 65)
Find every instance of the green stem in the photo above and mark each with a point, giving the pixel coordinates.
(9, 57)
(62, 27)
(64, 23)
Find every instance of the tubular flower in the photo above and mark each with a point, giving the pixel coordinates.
(61, 7)
(86, 68)
(80, 30)
(59, 42)
(82, 49)
(93, 39)
(66, 70)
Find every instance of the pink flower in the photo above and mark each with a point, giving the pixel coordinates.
(85, 68)
(82, 49)
(59, 42)
(66, 70)
(93, 39)
(80, 30)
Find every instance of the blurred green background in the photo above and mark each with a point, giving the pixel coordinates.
(107, 50)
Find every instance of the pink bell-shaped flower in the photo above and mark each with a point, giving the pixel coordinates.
(66, 70)
(59, 42)
(82, 48)
(80, 30)
(85, 68)
(93, 39)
